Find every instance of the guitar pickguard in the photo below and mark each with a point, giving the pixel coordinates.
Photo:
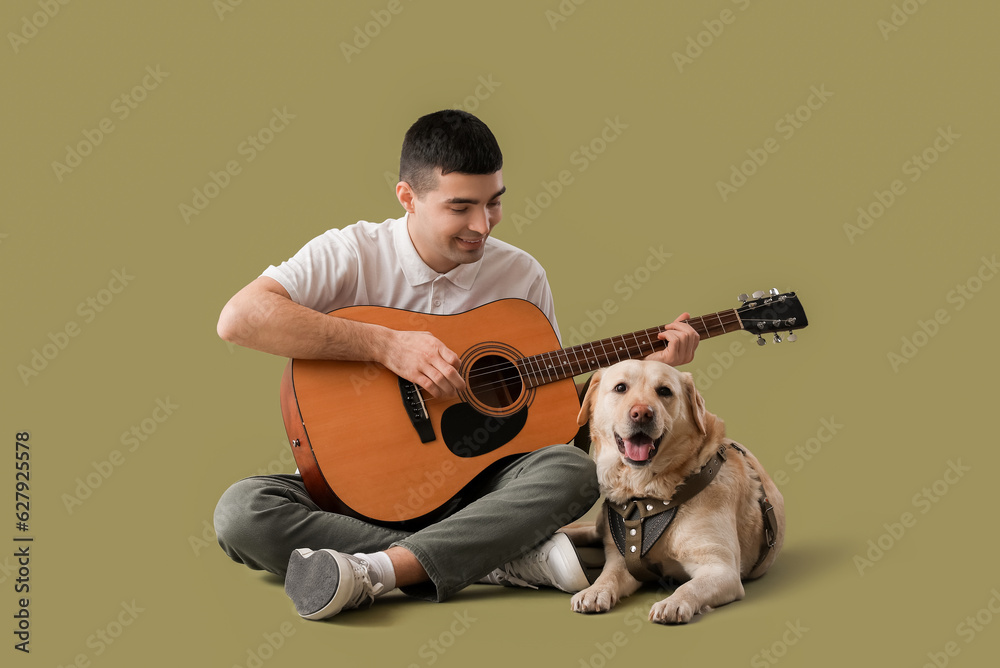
(469, 433)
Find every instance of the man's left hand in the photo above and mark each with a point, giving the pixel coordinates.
(681, 342)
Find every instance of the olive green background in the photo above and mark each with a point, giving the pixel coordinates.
(547, 88)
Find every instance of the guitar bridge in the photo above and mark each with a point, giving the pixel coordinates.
(413, 402)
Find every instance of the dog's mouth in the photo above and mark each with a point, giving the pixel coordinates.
(638, 449)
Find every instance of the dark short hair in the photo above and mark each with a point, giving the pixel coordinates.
(452, 140)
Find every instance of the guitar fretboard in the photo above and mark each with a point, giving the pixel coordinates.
(568, 362)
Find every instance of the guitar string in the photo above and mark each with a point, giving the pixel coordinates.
(613, 339)
(582, 348)
(588, 349)
(561, 369)
(550, 371)
(646, 332)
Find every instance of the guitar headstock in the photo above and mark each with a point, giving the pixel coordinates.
(771, 312)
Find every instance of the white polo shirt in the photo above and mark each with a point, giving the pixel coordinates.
(375, 264)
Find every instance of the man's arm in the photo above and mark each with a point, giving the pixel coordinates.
(263, 316)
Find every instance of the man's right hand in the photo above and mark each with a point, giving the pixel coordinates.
(423, 359)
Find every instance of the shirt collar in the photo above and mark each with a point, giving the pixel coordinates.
(416, 270)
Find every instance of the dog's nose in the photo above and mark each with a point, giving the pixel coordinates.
(641, 413)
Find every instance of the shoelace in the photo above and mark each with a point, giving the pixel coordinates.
(364, 595)
(522, 572)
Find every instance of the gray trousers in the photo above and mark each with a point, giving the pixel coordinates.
(261, 520)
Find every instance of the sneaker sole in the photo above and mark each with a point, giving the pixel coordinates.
(570, 575)
(313, 583)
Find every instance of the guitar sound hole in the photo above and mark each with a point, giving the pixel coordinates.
(494, 381)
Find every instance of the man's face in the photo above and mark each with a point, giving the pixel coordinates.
(449, 224)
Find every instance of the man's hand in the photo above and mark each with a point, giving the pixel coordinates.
(423, 359)
(263, 316)
(681, 342)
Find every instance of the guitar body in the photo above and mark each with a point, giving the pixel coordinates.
(353, 431)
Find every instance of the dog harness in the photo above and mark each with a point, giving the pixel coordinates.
(638, 523)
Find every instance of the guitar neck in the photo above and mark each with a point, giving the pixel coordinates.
(568, 362)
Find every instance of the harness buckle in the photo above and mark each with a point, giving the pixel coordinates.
(770, 524)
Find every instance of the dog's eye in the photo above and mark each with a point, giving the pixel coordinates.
(664, 392)
(621, 387)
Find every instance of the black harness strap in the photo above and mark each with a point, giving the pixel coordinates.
(770, 521)
(637, 524)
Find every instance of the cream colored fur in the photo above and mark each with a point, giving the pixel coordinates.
(716, 537)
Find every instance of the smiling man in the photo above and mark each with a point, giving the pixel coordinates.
(438, 258)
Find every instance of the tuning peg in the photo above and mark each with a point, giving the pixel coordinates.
(760, 340)
(758, 294)
(791, 337)
(777, 339)
(774, 292)
(743, 297)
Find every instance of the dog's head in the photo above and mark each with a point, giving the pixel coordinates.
(641, 407)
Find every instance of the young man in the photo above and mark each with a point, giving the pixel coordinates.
(438, 258)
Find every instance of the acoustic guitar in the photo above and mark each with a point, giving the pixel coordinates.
(371, 445)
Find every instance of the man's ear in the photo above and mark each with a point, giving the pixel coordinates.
(695, 403)
(587, 407)
(405, 195)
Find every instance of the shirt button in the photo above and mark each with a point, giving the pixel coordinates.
(632, 532)
(633, 548)
(437, 302)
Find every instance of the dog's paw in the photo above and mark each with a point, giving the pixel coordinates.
(673, 610)
(593, 599)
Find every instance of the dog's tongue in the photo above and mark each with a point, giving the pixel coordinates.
(638, 447)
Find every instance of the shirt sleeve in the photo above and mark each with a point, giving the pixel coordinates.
(323, 275)
(541, 296)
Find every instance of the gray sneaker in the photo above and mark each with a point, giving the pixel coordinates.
(554, 563)
(321, 583)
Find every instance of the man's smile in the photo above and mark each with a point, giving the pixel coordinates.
(471, 244)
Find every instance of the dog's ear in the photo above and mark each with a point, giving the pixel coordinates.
(587, 406)
(695, 402)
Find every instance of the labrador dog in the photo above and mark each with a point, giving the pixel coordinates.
(651, 433)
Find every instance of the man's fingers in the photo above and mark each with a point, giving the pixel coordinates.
(455, 379)
(433, 383)
(681, 338)
(447, 381)
(448, 366)
(442, 378)
(424, 359)
(450, 357)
